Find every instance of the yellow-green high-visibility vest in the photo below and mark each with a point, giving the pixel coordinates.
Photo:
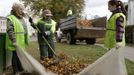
(44, 26)
(21, 39)
(69, 12)
(110, 36)
(49, 26)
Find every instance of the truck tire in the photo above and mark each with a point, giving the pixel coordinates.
(70, 39)
(91, 41)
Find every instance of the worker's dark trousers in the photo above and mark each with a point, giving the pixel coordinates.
(17, 67)
(46, 52)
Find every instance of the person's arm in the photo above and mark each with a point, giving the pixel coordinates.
(120, 25)
(33, 25)
(10, 31)
(52, 30)
(120, 28)
(31, 22)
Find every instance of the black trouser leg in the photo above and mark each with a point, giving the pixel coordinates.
(16, 63)
(43, 51)
(19, 65)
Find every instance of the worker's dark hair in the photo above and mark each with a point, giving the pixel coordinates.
(126, 7)
(119, 6)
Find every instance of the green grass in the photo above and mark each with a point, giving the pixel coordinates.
(87, 53)
(130, 67)
(34, 50)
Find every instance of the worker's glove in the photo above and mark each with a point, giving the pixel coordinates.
(30, 20)
(46, 33)
(15, 45)
(118, 45)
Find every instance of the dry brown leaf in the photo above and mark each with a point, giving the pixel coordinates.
(64, 67)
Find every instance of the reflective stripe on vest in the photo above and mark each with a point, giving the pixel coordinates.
(111, 29)
(19, 32)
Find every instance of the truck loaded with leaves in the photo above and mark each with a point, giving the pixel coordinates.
(75, 28)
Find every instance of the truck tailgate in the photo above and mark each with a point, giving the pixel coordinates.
(95, 32)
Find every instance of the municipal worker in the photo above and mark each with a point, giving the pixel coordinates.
(69, 12)
(47, 27)
(115, 29)
(17, 35)
(115, 34)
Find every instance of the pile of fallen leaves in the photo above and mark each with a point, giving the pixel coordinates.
(86, 23)
(63, 66)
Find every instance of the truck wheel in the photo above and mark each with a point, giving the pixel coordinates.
(70, 39)
(91, 41)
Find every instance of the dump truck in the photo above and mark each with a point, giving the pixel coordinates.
(75, 28)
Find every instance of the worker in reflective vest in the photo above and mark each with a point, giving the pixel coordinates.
(115, 29)
(46, 28)
(17, 35)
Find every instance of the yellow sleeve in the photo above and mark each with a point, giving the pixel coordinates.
(53, 26)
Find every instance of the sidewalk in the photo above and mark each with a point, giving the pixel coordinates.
(111, 63)
(129, 53)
